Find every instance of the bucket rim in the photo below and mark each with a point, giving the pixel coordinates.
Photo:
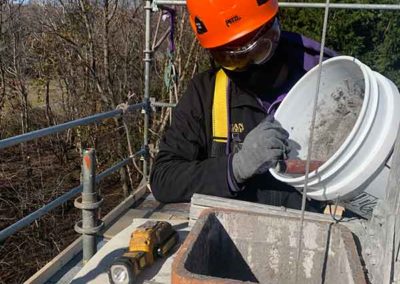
(324, 171)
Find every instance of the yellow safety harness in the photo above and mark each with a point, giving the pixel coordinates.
(220, 108)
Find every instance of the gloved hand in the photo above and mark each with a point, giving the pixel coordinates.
(261, 149)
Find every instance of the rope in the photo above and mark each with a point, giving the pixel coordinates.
(314, 114)
(124, 107)
(131, 154)
(170, 72)
(170, 13)
(170, 75)
(333, 214)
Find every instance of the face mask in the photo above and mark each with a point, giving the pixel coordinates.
(255, 48)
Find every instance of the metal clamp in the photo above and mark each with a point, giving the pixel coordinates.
(147, 107)
(155, 104)
(86, 205)
(88, 231)
(152, 104)
(145, 151)
(149, 52)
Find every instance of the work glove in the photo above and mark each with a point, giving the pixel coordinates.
(261, 149)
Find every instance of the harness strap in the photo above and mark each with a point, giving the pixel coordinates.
(220, 108)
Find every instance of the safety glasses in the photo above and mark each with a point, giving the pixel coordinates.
(255, 48)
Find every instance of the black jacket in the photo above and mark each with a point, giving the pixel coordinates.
(184, 164)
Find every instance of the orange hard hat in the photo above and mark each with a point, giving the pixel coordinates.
(218, 22)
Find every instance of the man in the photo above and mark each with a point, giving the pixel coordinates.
(260, 64)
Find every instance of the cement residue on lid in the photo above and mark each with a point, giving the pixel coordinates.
(336, 116)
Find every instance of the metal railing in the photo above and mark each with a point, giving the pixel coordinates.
(8, 142)
(29, 219)
(5, 143)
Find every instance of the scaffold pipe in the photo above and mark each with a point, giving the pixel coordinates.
(307, 5)
(8, 142)
(89, 202)
(146, 100)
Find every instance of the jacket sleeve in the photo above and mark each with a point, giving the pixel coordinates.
(182, 166)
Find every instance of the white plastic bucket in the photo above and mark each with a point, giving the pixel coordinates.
(356, 172)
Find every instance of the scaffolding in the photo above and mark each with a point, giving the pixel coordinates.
(146, 104)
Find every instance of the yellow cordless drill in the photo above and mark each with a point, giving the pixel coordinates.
(149, 241)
